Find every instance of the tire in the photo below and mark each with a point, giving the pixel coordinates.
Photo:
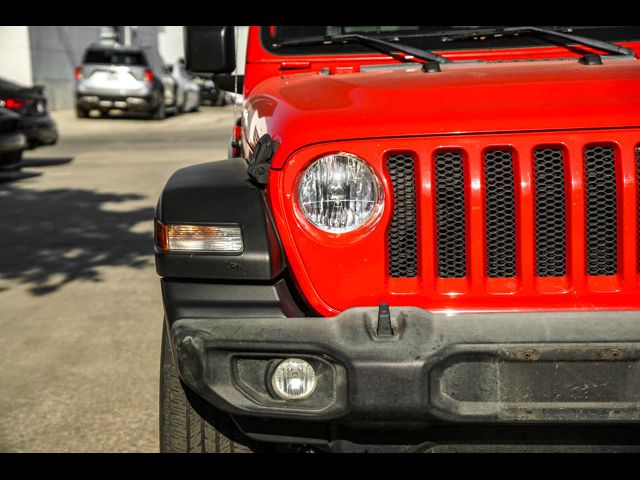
(81, 113)
(220, 100)
(188, 424)
(10, 159)
(160, 113)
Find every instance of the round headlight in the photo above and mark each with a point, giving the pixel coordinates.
(338, 193)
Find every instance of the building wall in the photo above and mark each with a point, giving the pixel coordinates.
(55, 52)
(146, 35)
(171, 43)
(15, 55)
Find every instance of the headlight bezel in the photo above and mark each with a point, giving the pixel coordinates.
(366, 225)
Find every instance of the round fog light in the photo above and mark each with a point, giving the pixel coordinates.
(294, 379)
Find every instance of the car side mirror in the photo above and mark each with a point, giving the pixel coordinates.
(210, 50)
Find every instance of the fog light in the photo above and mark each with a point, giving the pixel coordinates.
(199, 238)
(294, 379)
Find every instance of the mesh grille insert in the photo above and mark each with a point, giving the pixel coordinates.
(500, 214)
(450, 215)
(403, 253)
(550, 213)
(602, 228)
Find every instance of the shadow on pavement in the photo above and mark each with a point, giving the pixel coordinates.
(53, 237)
(13, 175)
(44, 162)
(14, 172)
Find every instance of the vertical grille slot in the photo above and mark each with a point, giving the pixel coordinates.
(403, 251)
(602, 213)
(500, 214)
(450, 215)
(550, 213)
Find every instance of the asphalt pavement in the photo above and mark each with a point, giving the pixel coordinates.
(80, 306)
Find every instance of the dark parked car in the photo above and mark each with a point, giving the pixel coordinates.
(114, 77)
(32, 107)
(209, 93)
(12, 140)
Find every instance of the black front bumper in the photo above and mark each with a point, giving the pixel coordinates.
(502, 368)
(12, 142)
(39, 130)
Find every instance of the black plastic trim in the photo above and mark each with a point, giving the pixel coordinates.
(197, 299)
(220, 193)
(437, 368)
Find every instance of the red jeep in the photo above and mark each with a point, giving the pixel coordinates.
(425, 238)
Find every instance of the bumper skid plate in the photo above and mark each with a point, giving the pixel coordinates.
(567, 367)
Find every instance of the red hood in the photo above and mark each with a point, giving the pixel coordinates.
(463, 98)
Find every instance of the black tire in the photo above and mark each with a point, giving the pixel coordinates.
(10, 159)
(160, 113)
(220, 100)
(188, 424)
(81, 113)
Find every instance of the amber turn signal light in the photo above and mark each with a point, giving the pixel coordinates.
(224, 239)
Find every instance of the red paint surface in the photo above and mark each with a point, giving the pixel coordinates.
(470, 108)
(339, 272)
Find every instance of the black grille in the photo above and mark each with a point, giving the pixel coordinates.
(403, 253)
(500, 214)
(602, 228)
(450, 215)
(550, 213)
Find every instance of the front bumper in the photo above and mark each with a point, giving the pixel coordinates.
(498, 368)
(12, 142)
(40, 131)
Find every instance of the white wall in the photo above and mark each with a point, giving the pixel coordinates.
(242, 35)
(171, 43)
(15, 54)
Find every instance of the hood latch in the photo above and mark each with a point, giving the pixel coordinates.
(260, 161)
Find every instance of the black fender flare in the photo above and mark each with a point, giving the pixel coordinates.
(220, 193)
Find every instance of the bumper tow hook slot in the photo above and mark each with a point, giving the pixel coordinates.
(384, 321)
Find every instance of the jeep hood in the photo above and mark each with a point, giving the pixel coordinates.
(462, 98)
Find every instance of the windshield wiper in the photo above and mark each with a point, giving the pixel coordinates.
(506, 31)
(377, 43)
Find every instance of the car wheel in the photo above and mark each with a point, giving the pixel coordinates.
(188, 424)
(10, 159)
(220, 101)
(160, 113)
(81, 113)
(182, 107)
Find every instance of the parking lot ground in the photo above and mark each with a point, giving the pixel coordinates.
(80, 306)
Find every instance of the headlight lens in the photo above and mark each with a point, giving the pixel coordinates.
(338, 193)
(294, 379)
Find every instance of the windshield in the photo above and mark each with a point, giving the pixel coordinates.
(426, 38)
(114, 57)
